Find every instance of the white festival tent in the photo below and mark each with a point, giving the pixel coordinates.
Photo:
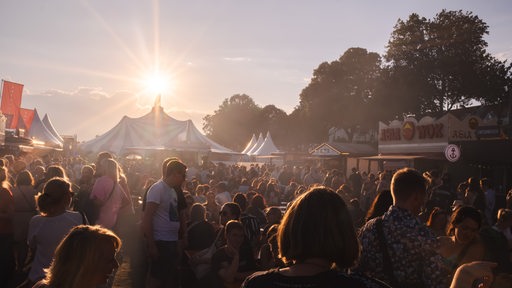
(39, 131)
(257, 145)
(48, 124)
(250, 144)
(153, 131)
(266, 148)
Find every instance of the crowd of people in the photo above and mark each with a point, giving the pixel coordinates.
(70, 222)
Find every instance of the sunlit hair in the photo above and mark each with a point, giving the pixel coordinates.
(436, 212)
(241, 200)
(407, 182)
(233, 225)
(258, 202)
(55, 171)
(24, 178)
(234, 209)
(3, 174)
(54, 193)
(77, 256)
(175, 166)
(111, 169)
(504, 215)
(318, 225)
(462, 213)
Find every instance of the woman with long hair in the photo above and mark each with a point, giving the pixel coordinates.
(108, 194)
(463, 245)
(85, 258)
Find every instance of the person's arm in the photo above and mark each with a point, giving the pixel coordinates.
(476, 274)
(147, 227)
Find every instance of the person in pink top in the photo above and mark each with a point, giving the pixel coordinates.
(108, 194)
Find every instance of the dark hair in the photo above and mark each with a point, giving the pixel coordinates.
(234, 209)
(436, 212)
(462, 213)
(24, 178)
(53, 194)
(380, 205)
(240, 199)
(406, 182)
(55, 171)
(305, 233)
(258, 202)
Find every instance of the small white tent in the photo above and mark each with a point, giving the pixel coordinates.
(257, 145)
(250, 144)
(40, 132)
(48, 124)
(267, 147)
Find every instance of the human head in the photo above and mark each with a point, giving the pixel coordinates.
(465, 224)
(380, 204)
(485, 183)
(258, 202)
(24, 178)
(197, 212)
(234, 233)
(56, 195)
(505, 217)
(221, 187)
(229, 211)
(304, 233)
(273, 215)
(100, 160)
(408, 188)
(84, 258)
(87, 172)
(240, 199)
(438, 219)
(111, 169)
(55, 171)
(164, 164)
(176, 173)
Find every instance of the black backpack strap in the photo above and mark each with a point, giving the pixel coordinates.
(388, 264)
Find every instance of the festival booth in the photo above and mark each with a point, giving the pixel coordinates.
(157, 135)
(341, 155)
(462, 143)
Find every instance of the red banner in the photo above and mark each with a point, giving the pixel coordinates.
(11, 101)
(27, 115)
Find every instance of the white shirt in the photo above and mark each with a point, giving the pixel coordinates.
(164, 228)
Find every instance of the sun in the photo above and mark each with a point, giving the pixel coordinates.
(157, 83)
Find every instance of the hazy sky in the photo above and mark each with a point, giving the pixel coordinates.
(84, 62)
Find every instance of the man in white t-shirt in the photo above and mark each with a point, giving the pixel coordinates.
(223, 196)
(161, 224)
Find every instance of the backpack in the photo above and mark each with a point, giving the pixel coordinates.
(87, 206)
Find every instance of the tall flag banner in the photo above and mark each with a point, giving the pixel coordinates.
(27, 115)
(11, 101)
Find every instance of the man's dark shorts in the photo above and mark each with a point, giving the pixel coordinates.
(167, 263)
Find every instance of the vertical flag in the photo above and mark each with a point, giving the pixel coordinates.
(11, 101)
(27, 115)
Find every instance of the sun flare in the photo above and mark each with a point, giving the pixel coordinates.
(157, 83)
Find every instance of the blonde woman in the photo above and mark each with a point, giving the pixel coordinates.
(85, 258)
(108, 194)
(45, 231)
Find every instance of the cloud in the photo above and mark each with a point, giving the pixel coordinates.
(504, 55)
(237, 59)
(82, 92)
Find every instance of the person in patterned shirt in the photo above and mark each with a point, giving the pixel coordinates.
(397, 248)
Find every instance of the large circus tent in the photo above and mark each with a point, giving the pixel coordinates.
(155, 131)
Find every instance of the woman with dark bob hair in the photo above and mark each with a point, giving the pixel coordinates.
(317, 240)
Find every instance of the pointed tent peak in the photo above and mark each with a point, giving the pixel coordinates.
(250, 144)
(158, 101)
(49, 125)
(257, 145)
(266, 148)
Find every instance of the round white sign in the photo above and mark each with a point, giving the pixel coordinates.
(452, 152)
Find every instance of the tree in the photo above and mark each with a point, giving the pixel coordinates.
(439, 64)
(340, 94)
(234, 122)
